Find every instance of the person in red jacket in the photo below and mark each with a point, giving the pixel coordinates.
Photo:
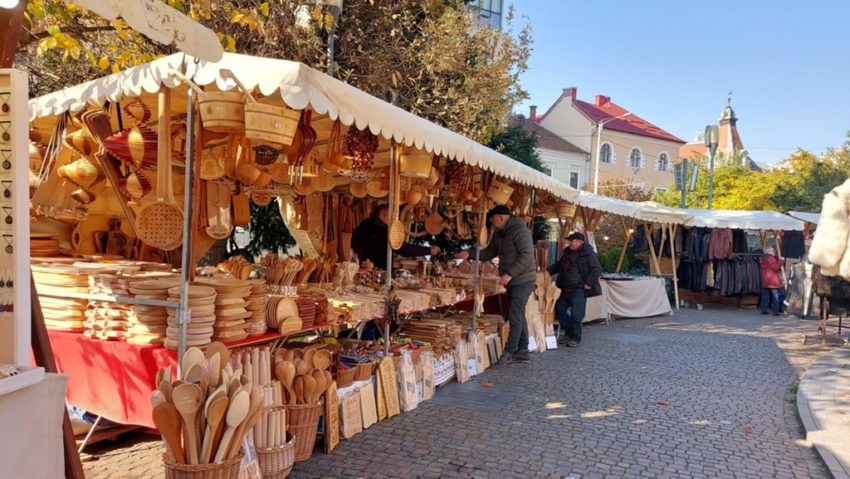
(770, 283)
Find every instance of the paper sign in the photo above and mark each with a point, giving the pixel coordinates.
(551, 342)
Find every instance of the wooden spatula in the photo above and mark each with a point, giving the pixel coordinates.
(167, 421)
(215, 411)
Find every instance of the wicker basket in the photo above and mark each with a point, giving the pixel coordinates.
(228, 469)
(566, 210)
(364, 371)
(222, 111)
(276, 462)
(303, 423)
(345, 377)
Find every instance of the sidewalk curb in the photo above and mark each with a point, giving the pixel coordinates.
(819, 407)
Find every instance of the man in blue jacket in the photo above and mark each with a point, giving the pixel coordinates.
(578, 272)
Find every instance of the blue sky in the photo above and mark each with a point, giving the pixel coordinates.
(672, 62)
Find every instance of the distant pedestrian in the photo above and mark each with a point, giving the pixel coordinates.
(578, 272)
(770, 283)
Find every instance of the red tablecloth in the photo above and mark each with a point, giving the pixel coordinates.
(114, 379)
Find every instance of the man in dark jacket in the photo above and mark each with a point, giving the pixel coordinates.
(578, 272)
(513, 245)
(369, 240)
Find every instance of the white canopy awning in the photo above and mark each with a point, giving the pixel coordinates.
(748, 220)
(807, 217)
(608, 204)
(658, 213)
(299, 86)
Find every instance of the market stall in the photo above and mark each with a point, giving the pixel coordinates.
(113, 158)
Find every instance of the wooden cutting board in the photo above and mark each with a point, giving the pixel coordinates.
(331, 418)
(389, 386)
(367, 405)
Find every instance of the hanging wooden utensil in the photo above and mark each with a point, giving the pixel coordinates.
(160, 224)
(396, 232)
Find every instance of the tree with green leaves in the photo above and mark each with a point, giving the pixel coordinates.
(518, 143)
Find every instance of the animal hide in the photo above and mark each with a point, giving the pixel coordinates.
(831, 237)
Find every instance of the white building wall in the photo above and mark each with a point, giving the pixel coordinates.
(564, 163)
(570, 124)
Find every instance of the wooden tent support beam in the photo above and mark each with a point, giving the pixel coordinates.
(584, 217)
(627, 235)
(649, 229)
(673, 228)
(779, 252)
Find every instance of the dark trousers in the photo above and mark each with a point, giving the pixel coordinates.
(518, 298)
(569, 311)
(769, 297)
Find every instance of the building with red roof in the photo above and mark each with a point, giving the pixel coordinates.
(729, 144)
(562, 159)
(631, 149)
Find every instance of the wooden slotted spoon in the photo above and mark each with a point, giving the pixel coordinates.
(396, 233)
(160, 224)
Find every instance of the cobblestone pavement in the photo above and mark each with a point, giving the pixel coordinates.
(701, 394)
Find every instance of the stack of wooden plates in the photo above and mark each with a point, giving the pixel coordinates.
(108, 321)
(306, 311)
(113, 284)
(230, 307)
(53, 282)
(199, 324)
(150, 322)
(278, 309)
(43, 245)
(257, 303)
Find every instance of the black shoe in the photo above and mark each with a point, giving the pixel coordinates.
(776, 314)
(764, 312)
(572, 343)
(520, 357)
(505, 360)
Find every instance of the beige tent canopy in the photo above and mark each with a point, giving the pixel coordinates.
(299, 87)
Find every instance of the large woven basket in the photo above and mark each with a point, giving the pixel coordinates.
(364, 371)
(415, 163)
(276, 462)
(270, 123)
(228, 469)
(344, 377)
(303, 425)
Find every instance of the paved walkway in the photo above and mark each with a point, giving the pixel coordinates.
(702, 394)
(824, 403)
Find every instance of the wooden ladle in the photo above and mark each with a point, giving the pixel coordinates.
(322, 360)
(310, 388)
(187, 398)
(236, 413)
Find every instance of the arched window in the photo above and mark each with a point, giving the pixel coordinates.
(605, 153)
(663, 162)
(635, 158)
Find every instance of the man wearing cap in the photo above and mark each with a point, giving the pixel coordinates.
(578, 272)
(512, 243)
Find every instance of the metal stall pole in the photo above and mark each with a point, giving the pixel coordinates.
(393, 198)
(183, 309)
(476, 279)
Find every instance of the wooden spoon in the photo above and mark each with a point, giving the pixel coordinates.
(157, 398)
(322, 360)
(236, 413)
(319, 378)
(329, 379)
(298, 387)
(166, 388)
(302, 367)
(167, 421)
(310, 388)
(192, 357)
(254, 412)
(214, 372)
(216, 347)
(285, 372)
(187, 399)
(215, 411)
(308, 357)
